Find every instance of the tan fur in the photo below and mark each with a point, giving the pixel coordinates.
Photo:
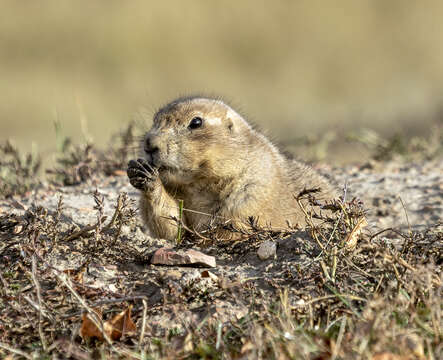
(224, 171)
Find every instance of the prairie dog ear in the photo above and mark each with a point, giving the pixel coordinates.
(230, 125)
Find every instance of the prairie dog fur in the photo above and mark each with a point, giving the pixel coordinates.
(203, 152)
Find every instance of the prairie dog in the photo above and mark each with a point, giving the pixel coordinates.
(201, 151)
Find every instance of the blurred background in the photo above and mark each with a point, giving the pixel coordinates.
(300, 69)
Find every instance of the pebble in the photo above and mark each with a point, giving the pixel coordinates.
(267, 249)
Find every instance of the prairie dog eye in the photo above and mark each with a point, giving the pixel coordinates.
(195, 123)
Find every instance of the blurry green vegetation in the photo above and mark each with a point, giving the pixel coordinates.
(296, 68)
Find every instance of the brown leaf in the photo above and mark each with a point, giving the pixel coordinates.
(88, 329)
(120, 324)
(351, 239)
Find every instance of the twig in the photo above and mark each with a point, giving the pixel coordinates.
(352, 297)
(339, 338)
(180, 222)
(325, 270)
(40, 302)
(122, 299)
(15, 351)
(93, 316)
(84, 230)
(117, 211)
(334, 263)
(5, 284)
(142, 333)
(308, 218)
(406, 214)
(343, 300)
(38, 308)
(385, 230)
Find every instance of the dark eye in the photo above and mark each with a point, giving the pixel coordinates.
(195, 123)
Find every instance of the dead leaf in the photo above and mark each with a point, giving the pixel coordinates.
(76, 274)
(351, 239)
(88, 329)
(120, 324)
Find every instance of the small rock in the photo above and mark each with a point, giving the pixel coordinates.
(300, 302)
(168, 256)
(267, 250)
(125, 230)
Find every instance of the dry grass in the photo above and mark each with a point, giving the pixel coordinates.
(335, 301)
(340, 304)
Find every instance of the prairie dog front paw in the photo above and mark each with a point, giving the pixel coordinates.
(142, 175)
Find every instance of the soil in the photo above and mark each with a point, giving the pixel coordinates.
(405, 197)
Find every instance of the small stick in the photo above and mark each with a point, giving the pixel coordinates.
(117, 211)
(84, 230)
(142, 333)
(40, 301)
(15, 351)
(97, 322)
(325, 270)
(334, 263)
(339, 338)
(5, 284)
(180, 222)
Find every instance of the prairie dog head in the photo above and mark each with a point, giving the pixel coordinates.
(194, 137)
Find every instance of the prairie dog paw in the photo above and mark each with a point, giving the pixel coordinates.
(141, 175)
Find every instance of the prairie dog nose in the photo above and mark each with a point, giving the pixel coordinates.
(150, 148)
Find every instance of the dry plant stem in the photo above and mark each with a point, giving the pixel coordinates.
(119, 300)
(38, 308)
(92, 315)
(15, 351)
(5, 290)
(99, 208)
(407, 217)
(339, 339)
(352, 297)
(349, 262)
(117, 212)
(180, 222)
(345, 192)
(310, 223)
(57, 218)
(142, 332)
(40, 302)
(334, 263)
(186, 228)
(85, 230)
(386, 230)
(325, 270)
